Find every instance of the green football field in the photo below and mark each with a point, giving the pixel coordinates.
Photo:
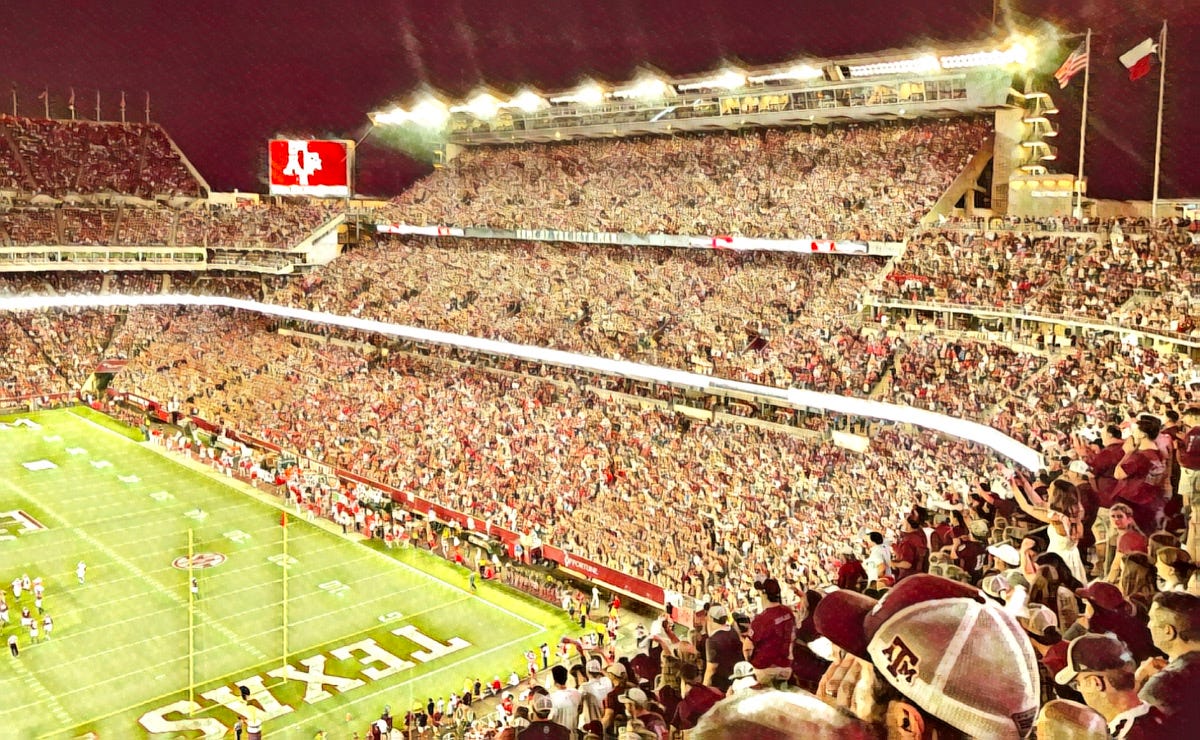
(365, 627)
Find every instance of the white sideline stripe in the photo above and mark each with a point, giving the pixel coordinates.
(119, 559)
(328, 615)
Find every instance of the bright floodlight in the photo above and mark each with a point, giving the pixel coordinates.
(483, 106)
(394, 116)
(647, 89)
(730, 79)
(590, 94)
(919, 65)
(429, 112)
(797, 72)
(528, 101)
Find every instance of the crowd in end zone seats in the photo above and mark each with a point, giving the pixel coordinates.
(858, 181)
(57, 158)
(1143, 280)
(245, 226)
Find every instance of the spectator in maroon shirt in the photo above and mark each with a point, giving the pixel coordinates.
(697, 699)
(768, 642)
(1142, 473)
(1104, 463)
(1107, 610)
(1187, 452)
(851, 575)
(910, 553)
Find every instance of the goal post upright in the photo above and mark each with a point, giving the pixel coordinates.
(191, 628)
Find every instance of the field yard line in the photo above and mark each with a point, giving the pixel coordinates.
(451, 586)
(242, 673)
(109, 625)
(161, 510)
(98, 522)
(64, 574)
(48, 698)
(119, 559)
(135, 650)
(270, 501)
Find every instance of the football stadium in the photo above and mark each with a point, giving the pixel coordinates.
(612, 371)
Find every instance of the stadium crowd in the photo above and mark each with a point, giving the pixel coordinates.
(922, 589)
(57, 158)
(859, 181)
(1091, 278)
(245, 226)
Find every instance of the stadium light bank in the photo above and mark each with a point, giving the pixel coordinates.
(972, 431)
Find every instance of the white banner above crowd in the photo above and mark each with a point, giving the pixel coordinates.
(684, 241)
(1021, 454)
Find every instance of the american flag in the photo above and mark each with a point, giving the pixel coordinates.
(1076, 62)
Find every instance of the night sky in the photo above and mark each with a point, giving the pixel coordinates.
(226, 76)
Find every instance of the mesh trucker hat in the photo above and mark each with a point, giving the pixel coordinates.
(969, 664)
(946, 647)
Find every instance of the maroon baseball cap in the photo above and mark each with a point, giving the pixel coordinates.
(849, 620)
(1133, 542)
(1055, 658)
(1092, 653)
(1104, 595)
(769, 586)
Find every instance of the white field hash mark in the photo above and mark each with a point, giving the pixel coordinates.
(39, 465)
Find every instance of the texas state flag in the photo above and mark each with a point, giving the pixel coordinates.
(1137, 60)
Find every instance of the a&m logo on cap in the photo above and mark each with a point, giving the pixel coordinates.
(902, 661)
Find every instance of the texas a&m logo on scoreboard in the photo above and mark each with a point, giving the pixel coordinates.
(314, 167)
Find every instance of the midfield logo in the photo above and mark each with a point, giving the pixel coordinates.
(13, 523)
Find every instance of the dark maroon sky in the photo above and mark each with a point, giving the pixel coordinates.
(225, 76)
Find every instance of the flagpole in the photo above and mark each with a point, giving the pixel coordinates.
(283, 518)
(1162, 79)
(14, 92)
(1087, 76)
(46, 101)
(97, 106)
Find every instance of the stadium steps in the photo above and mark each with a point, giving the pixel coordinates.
(883, 388)
(16, 150)
(120, 316)
(965, 181)
(35, 340)
(204, 187)
(1139, 298)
